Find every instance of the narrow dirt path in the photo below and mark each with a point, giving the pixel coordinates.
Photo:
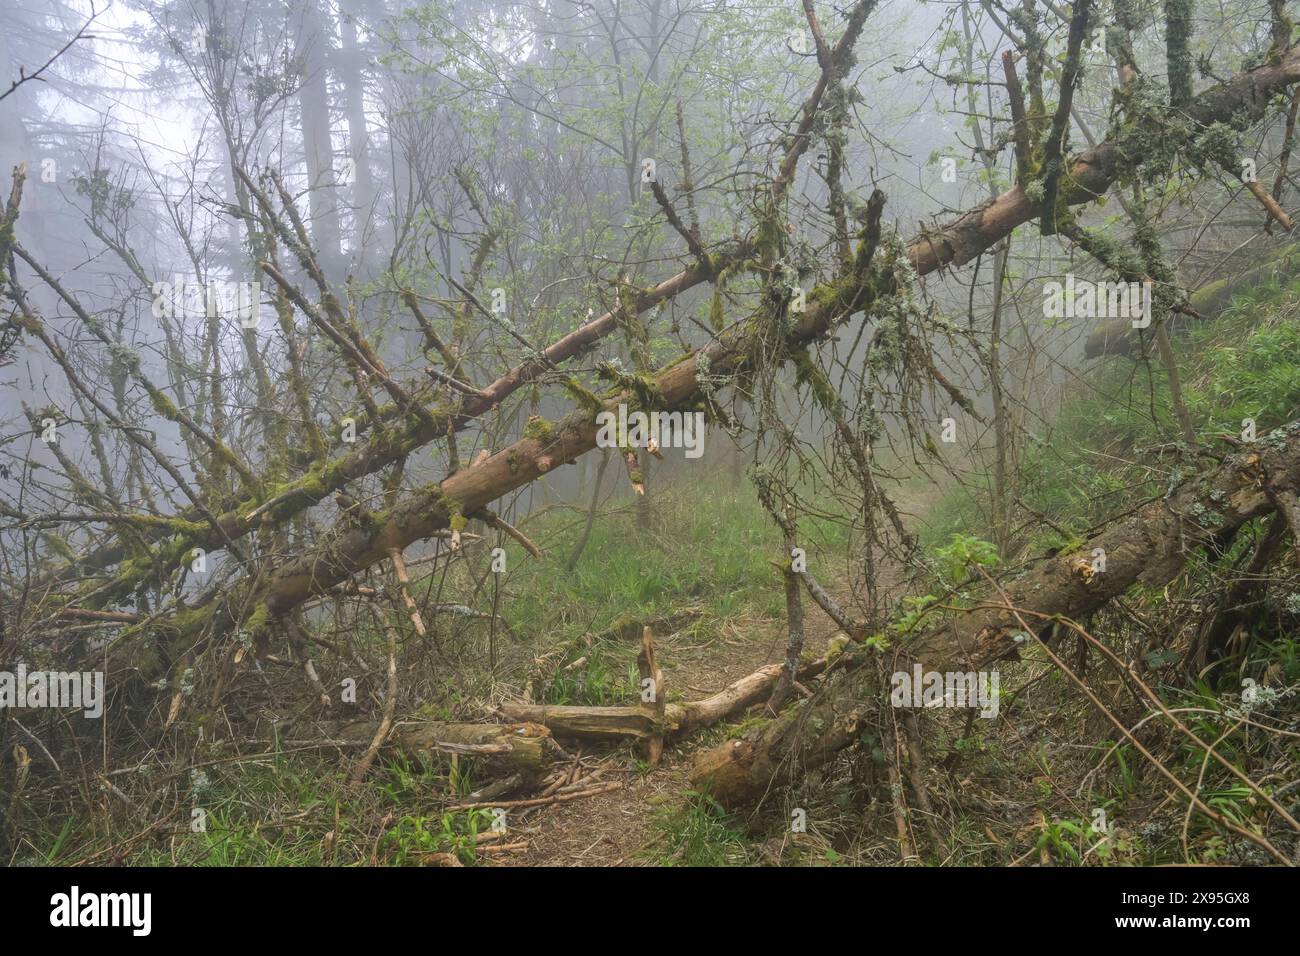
(617, 828)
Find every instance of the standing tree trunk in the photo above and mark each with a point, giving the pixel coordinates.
(351, 57)
(312, 53)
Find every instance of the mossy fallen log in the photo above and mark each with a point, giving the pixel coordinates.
(499, 750)
(1149, 546)
(1118, 337)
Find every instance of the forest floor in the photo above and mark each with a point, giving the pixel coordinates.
(618, 827)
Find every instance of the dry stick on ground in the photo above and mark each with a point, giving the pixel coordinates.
(541, 801)
(522, 750)
(679, 717)
(386, 724)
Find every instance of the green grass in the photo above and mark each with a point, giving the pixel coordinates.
(599, 683)
(451, 832)
(1240, 365)
(294, 810)
(712, 551)
(699, 833)
(715, 553)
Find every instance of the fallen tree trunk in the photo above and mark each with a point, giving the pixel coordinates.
(679, 719)
(500, 750)
(955, 242)
(1149, 546)
(1118, 337)
(257, 602)
(389, 446)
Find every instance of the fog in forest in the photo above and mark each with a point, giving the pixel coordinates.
(948, 357)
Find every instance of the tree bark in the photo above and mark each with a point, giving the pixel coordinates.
(313, 98)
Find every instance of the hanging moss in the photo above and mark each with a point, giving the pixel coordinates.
(715, 263)
(717, 317)
(585, 398)
(808, 374)
(635, 332)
